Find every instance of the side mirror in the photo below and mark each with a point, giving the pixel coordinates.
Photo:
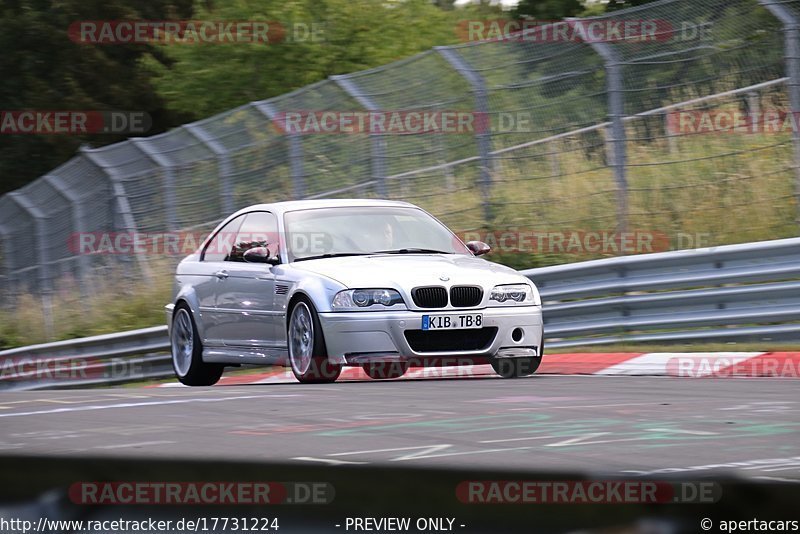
(479, 248)
(260, 255)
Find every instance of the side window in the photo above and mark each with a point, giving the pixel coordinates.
(219, 248)
(260, 229)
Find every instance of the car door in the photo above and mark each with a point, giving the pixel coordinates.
(212, 270)
(245, 300)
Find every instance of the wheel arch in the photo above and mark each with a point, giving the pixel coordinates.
(318, 290)
(296, 296)
(188, 297)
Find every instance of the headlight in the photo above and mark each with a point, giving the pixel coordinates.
(366, 299)
(514, 295)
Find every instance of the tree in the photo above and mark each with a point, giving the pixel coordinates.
(548, 9)
(351, 35)
(444, 4)
(43, 69)
(615, 5)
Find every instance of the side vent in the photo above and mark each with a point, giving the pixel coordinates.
(281, 289)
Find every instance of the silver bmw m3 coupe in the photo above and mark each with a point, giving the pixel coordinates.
(321, 284)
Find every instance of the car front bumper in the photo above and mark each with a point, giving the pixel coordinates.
(353, 338)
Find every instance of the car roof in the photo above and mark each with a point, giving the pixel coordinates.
(279, 208)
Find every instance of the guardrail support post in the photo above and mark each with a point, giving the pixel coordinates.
(378, 145)
(617, 139)
(42, 248)
(295, 150)
(223, 164)
(78, 218)
(121, 200)
(483, 134)
(170, 208)
(791, 29)
(9, 267)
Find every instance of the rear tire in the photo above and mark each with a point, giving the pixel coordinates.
(385, 370)
(187, 351)
(515, 367)
(308, 356)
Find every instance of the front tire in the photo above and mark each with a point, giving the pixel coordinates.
(308, 356)
(516, 367)
(187, 352)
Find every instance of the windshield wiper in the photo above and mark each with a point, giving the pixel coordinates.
(412, 251)
(331, 255)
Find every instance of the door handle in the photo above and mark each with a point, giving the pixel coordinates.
(222, 275)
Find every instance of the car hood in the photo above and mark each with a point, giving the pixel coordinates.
(411, 270)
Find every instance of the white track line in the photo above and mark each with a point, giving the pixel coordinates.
(137, 405)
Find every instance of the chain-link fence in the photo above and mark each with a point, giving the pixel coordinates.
(585, 133)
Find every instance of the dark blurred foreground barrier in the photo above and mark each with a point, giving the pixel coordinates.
(36, 488)
(748, 292)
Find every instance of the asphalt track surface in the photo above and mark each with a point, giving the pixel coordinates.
(590, 424)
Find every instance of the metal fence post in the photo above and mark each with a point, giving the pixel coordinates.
(483, 134)
(121, 200)
(166, 165)
(42, 248)
(791, 29)
(378, 142)
(672, 143)
(78, 225)
(7, 264)
(753, 104)
(223, 163)
(617, 140)
(295, 150)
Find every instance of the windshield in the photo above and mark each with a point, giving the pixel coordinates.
(365, 230)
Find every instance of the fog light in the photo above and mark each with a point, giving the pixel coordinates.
(517, 335)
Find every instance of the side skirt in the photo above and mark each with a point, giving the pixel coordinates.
(246, 355)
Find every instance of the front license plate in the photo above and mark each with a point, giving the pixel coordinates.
(455, 321)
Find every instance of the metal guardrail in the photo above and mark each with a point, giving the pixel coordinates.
(92, 361)
(729, 293)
